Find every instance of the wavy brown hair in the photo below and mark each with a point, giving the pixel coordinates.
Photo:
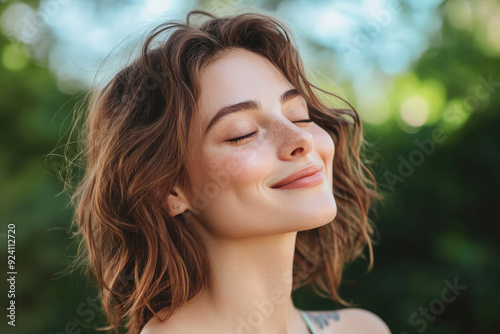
(134, 152)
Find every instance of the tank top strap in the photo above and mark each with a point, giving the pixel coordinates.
(308, 321)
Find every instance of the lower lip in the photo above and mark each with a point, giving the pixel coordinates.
(303, 182)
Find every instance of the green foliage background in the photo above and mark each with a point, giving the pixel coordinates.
(439, 223)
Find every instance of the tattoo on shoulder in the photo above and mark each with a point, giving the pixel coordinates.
(322, 319)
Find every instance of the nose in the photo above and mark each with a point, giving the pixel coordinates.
(293, 140)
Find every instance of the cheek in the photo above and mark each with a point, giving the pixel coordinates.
(325, 148)
(230, 169)
(324, 144)
(226, 188)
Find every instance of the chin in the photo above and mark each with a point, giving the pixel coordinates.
(328, 214)
(317, 218)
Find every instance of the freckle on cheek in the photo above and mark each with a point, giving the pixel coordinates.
(233, 167)
(217, 169)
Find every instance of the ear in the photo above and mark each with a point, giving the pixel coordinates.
(176, 202)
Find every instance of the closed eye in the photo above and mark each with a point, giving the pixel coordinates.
(236, 140)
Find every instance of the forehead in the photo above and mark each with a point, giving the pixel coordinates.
(236, 76)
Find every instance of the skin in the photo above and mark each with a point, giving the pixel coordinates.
(248, 228)
(247, 207)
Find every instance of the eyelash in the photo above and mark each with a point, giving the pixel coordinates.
(236, 140)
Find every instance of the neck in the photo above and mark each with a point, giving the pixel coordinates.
(250, 286)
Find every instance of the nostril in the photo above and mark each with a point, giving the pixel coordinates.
(297, 150)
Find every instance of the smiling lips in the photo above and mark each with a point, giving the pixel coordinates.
(309, 176)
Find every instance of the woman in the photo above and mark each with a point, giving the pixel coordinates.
(211, 190)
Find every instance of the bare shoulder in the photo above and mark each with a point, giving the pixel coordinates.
(351, 320)
(152, 328)
(157, 326)
(364, 321)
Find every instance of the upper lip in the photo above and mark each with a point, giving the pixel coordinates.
(307, 171)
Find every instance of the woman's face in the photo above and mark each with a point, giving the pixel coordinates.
(232, 182)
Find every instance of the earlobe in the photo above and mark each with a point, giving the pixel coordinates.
(176, 202)
(174, 210)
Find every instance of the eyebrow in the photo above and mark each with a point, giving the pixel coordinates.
(248, 105)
